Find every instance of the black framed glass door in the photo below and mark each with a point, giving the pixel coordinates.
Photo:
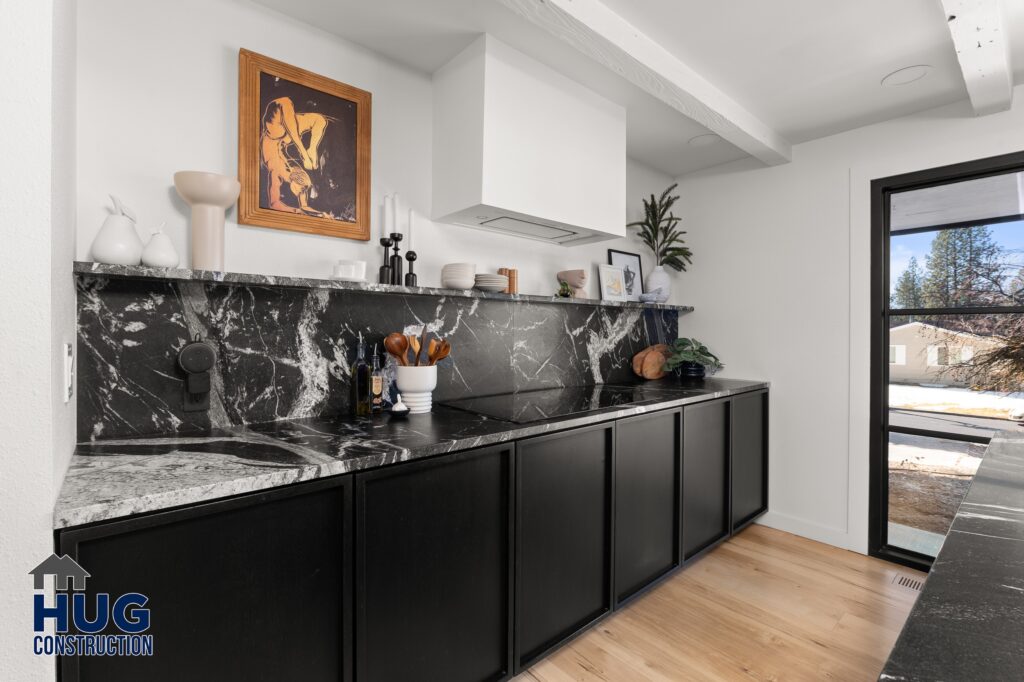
(947, 330)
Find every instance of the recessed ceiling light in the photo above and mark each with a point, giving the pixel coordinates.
(704, 140)
(906, 75)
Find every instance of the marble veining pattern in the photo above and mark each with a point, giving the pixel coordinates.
(109, 479)
(968, 623)
(283, 352)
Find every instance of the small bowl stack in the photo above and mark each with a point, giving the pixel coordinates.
(458, 276)
(488, 282)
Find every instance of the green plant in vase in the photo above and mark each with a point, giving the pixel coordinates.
(659, 231)
(692, 358)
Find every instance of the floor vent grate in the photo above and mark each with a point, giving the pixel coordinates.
(908, 582)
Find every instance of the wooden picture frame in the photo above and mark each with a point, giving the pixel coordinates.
(318, 186)
(612, 281)
(630, 263)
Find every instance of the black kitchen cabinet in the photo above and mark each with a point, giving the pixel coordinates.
(563, 536)
(749, 427)
(251, 588)
(433, 569)
(647, 489)
(705, 475)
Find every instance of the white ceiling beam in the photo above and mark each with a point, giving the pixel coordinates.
(982, 47)
(595, 30)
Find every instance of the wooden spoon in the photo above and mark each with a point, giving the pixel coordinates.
(431, 350)
(398, 346)
(443, 349)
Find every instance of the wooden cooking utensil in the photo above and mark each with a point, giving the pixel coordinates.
(398, 347)
(414, 344)
(421, 344)
(443, 349)
(431, 350)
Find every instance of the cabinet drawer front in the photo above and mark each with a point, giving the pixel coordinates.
(647, 471)
(705, 475)
(433, 574)
(252, 588)
(749, 457)
(563, 536)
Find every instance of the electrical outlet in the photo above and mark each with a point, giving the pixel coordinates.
(69, 372)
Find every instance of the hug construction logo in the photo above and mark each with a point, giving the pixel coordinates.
(71, 611)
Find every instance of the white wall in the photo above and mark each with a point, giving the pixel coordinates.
(158, 93)
(36, 308)
(781, 286)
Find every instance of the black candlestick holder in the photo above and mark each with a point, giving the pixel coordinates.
(384, 276)
(396, 259)
(410, 277)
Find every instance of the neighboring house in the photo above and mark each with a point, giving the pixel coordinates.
(921, 353)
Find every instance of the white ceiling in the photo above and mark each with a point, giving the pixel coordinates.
(425, 34)
(807, 68)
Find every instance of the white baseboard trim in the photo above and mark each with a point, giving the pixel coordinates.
(838, 537)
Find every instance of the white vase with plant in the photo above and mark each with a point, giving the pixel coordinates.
(659, 231)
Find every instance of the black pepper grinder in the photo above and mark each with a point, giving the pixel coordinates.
(396, 259)
(384, 277)
(410, 277)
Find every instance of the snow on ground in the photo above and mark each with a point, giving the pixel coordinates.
(933, 456)
(955, 400)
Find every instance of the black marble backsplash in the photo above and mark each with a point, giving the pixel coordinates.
(284, 352)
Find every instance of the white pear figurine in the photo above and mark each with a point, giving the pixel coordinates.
(117, 242)
(160, 252)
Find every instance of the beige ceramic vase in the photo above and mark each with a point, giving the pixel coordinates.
(209, 195)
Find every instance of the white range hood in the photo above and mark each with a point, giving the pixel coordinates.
(520, 149)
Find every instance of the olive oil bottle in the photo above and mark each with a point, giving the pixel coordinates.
(360, 382)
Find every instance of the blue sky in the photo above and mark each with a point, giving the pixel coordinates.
(1008, 235)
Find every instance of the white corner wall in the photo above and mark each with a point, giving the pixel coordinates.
(157, 93)
(781, 281)
(36, 308)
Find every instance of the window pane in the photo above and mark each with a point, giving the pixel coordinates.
(959, 364)
(959, 267)
(928, 477)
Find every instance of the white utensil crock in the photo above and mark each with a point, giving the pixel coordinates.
(417, 384)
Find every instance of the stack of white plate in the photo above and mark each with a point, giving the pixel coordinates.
(487, 282)
(458, 275)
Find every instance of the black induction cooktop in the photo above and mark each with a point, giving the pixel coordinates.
(524, 407)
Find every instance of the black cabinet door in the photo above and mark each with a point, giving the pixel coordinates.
(252, 588)
(749, 457)
(705, 475)
(433, 567)
(563, 536)
(647, 483)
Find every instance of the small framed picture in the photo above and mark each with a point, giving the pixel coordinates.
(613, 283)
(632, 273)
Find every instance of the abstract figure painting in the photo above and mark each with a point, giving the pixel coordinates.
(632, 273)
(303, 150)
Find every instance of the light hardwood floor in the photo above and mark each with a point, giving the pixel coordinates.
(766, 605)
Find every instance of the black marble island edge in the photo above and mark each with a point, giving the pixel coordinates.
(968, 623)
(114, 478)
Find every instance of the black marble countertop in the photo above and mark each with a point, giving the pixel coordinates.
(109, 479)
(248, 279)
(968, 623)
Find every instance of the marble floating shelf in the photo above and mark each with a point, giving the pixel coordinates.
(186, 275)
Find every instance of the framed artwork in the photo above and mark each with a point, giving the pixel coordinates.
(633, 274)
(303, 150)
(613, 283)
